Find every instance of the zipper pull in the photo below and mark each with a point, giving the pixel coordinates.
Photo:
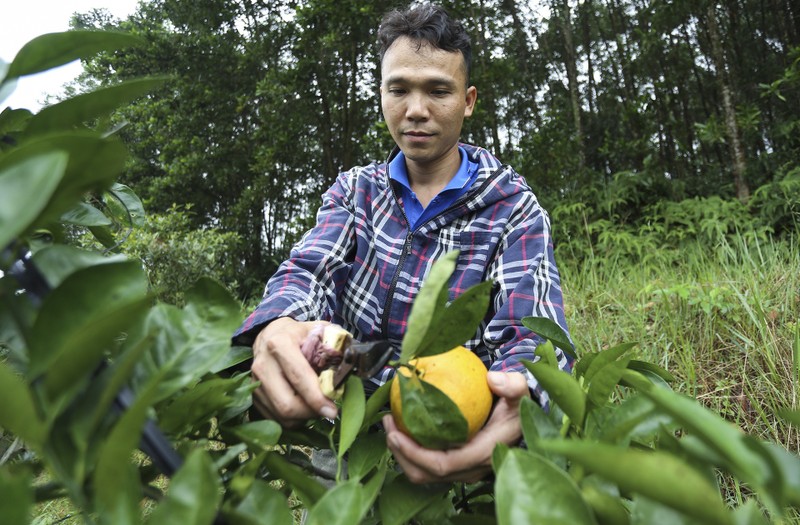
(408, 243)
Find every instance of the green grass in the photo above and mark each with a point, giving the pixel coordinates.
(723, 322)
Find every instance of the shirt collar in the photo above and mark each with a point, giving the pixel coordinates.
(398, 172)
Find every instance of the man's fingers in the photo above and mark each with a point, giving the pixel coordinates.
(508, 385)
(423, 465)
(299, 376)
(276, 399)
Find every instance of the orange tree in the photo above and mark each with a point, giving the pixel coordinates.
(93, 368)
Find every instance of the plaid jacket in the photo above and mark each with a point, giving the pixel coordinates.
(360, 266)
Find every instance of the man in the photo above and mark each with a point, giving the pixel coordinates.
(381, 227)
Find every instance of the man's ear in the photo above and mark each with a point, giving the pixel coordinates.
(472, 97)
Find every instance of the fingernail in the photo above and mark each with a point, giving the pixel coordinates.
(328, 411)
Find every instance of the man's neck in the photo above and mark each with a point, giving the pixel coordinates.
(427, 180)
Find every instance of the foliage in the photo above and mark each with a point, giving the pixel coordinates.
(661, 231)
(260, 116)
(175, 255)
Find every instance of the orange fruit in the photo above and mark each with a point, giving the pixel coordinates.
(461, 375)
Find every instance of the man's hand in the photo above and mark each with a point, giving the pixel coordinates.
(289, 392)
(472, 461)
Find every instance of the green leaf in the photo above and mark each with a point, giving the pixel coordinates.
(185, 343)
(259, 435)
(56, 49)
(13, 120)
(81, 317)
(194, 493)
(563, 389)
(195, 406)
(115, 479)
(789, 465)
(18, 413)
(353, 409)
(531, 489)
(458, 322)
(58, 261)
(262, 501)
(430, 300)
(25, 190)
(604, 381)
(93, 165)
(210, 302)
(373, 487)
(340, 506)
(651, 369)
(228, 455)
(85, 107)
(583, 364)
(607, 508)
(84, 214)
(790, 416)
(432, 419)
(95, 404)
(308, 489)
(365, 453)
(536, 425)
(635, 418)
(237, 356)
(401, 500)
(105, 236)
(721, 435)
(547, 353)
(645, 511)
(605, 357)
(130, 202)
(499, 454)
(550, 330)
(243, 478)
(16, 496)
(656, 475)
(376, 402)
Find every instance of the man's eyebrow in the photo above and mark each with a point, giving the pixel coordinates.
(439, 81)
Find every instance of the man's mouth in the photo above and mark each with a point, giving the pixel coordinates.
(417, 134)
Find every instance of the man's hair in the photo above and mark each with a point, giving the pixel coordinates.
(426, 24)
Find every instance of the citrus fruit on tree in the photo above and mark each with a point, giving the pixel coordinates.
(461, 376)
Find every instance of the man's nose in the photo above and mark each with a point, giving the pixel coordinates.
(417, 108)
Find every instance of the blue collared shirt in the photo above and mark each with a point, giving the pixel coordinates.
(458, 186)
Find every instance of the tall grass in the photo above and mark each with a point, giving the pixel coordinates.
(723, 321)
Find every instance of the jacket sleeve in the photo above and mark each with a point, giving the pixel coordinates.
(306, 285)
(527, 284)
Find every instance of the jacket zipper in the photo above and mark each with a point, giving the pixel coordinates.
(409, 238)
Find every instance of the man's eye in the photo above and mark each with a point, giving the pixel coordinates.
(440, 92)
(397, 91)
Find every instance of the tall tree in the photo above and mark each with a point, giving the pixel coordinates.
(564, 15)
(269, 99)
(728, 105)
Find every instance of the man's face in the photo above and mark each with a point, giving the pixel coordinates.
(425, 99)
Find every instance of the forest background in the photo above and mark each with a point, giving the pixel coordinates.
(662, 136)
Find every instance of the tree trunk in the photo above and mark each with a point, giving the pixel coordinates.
(488, 91)
(728, 107)
(570, 61)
